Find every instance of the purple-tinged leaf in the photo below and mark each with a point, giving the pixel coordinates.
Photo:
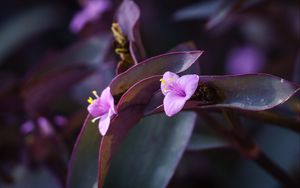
(175, 62)
(83, 166)
(58, 73)
(40, 92)
(251, 91)
(119, 128)
(130, 108)
(151, 152)
(201, 142)
(222, 13)
(155, 104)
(15, 31)
(297, 69)
(90, 51)
(254, 92)
(128, 17)
(200, 10)
(185, 46)
(136, 94)
(188, 46)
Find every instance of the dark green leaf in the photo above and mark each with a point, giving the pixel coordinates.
(41, 91)
(250, 92)
(26, 25)
(83, 166)
(205, 142)
(151, 152)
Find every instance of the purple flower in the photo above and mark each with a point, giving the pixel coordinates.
(45, 126)
(245, 60)
(177, 91)
(102, 108)
(91, 11)
(27, 127)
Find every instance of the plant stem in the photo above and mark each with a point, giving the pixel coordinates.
(273, 118)
(246, 146)
(269, 166)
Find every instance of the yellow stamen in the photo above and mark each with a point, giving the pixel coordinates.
(95, 93)
(170, 79)
(118, 34)
(90, 100)
(164, 83)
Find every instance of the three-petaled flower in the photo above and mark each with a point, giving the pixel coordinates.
(91, 11)
(102, 108)
(177, 91)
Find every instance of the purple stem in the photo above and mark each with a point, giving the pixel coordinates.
(245, 145)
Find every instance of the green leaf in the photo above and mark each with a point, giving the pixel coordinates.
(130, 111)
(150, 153)
(254, 92)
(251, 91)
(25, 177)
(204, 142)
(83, 168)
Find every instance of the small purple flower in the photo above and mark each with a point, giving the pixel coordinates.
(177, 91)
(102, 108)
(91, 11)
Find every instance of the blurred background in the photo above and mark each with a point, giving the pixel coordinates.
(48, 68)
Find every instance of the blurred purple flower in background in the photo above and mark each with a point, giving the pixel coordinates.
(102, 108)
(245, 60)
(45, 127)
(91, 11)
(60, 120)
(43, 124)
(177, 91)
(27, 127)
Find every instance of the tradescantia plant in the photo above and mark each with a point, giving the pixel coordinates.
(148, 90)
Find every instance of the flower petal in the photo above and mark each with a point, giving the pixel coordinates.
(104, 123)
(97, 108)
(78, 22)
(92, 10)
(108, 100)
(168, 77)
(173, 103)
(189, 84)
